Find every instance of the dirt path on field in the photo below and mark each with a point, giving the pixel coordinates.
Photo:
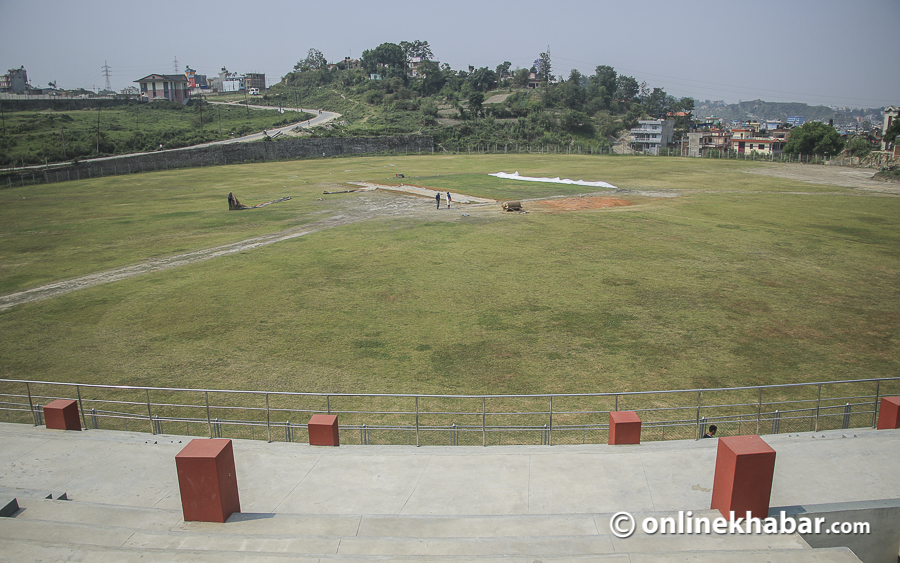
(368, 204)
(859, 178)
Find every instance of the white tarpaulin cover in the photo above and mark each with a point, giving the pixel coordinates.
(515, 176)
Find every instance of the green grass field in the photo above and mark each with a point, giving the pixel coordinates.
(32, 137)
(742, 279)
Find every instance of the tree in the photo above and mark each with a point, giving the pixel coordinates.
(626, 88)
(475, 101)
(891, 133)
(655, 103)
(603, 85)
(520, 77)
(416, 48)
(387, 55)
(482, 79)
(503, 72)
(859, 146)
(542, 68)
(814, 138)
(314, 60)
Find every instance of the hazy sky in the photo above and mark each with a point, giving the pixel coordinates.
(831, 52)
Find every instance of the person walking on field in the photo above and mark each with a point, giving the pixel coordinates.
(437, 198)
(448, 200)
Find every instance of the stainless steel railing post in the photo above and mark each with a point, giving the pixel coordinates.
(268, 427)
(31, 404)
(699, 398)
(417, 422)
(550, 428)
(758, 410)
(150, 412)
(875, 405)
(818, 404)
(483, 432)
(81, 407)
(208, 421)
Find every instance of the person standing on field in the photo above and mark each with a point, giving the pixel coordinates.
(448, 200)
(437, 199)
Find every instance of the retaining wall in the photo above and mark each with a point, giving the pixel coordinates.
(232, 153)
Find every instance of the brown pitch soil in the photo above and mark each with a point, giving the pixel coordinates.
(580, 203)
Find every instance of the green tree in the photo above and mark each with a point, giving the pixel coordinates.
(387, 55)
(482, 79)
(314, 60)
(543, 67)
(814, 138)
(432, 79)
(416, 48)
(603, 85)
(655, 103)
(503, 72)
(858, 146)
(627, 88)
(520, 77)
(476, 99)
(890, 135)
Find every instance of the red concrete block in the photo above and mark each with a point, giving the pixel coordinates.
(889, 415)
(323, 430)
(62, 414)
(208, 481)
(624, 428)
(745, 466)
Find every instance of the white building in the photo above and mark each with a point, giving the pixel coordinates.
(653, 134)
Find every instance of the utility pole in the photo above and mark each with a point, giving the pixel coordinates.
(98, 128)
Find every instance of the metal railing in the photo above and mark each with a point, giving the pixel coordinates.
(387, 418)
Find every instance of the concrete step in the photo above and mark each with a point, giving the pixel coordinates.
(108, 526)
(22, 551)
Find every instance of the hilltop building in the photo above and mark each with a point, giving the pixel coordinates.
(172, 87)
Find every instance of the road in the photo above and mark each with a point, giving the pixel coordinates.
(321, 117)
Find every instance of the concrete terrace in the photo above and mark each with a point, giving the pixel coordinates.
(402, 503)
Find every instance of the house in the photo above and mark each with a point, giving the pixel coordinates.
(255, 80)
(15, 81)
(890, 114)
(653, 134)
(234, 82)
(414, 63)
(701, 143)
(347, 63)
(172, 87)
(748, 141)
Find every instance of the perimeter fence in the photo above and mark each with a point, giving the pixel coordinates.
(455, 420)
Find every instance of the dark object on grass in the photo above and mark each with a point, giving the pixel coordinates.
(343, 192)
(512, 206)
(235, 205)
